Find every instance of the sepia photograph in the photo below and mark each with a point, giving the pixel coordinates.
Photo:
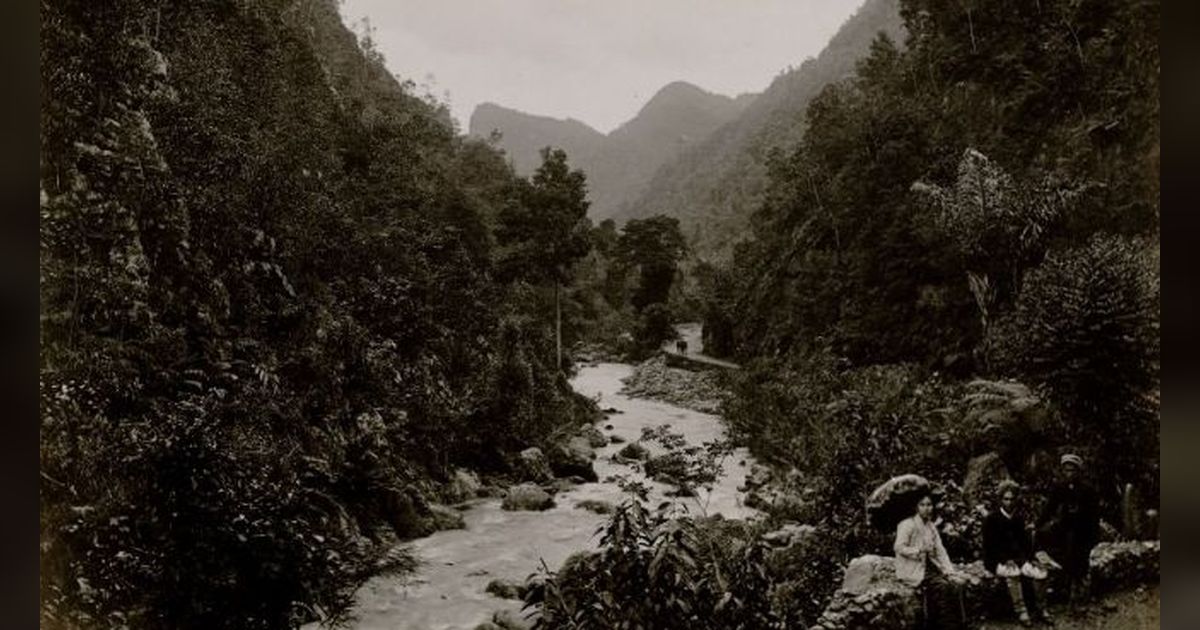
(599, 315)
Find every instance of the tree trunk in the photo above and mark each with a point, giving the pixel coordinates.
(557, 326)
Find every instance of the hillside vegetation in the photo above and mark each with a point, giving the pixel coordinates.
(270, 322)
(714, 185)
(618, 165)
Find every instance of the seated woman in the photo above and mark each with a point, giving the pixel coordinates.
(922, 561)
(1008, 552)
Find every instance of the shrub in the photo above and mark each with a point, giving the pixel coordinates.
(1086, 327)
(660, 569)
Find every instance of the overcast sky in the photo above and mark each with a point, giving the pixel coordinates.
(594, 60)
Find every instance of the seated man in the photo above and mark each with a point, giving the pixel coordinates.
(1008, 552)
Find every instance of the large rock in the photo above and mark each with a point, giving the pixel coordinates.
(527, 496)
(871, 597)
(442, 518)
(533, 465)
(508, 620)
(595, 505)
(668, 468)
(633, 451)
(573, 458)
(463, 486)
(1122, 565)
(984, 474)
(788, 535)
(506, 589)
(868, 572)
(404, 509)
(593, 435)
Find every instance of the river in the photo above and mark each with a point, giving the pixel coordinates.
(447, 592)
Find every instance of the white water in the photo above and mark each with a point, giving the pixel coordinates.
(448, 590)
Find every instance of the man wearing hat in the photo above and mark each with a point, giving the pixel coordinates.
(1070, 524)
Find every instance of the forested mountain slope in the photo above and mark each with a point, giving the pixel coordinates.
(269, 318)
(713, 186)
(618, 166)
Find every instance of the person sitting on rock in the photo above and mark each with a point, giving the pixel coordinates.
(922, 562)
(1008, 553)
(1070, 526)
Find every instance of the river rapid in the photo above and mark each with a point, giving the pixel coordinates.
(447, 591)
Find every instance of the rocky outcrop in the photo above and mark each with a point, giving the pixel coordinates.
(527, 496)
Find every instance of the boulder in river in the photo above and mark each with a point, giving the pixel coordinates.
(508, 620)
(633, 450)
(532, 465)
(463, 486)
(442, 517)
(573, 458)
(527, 496)
(595, 505)
(593, 435)
(506, 589)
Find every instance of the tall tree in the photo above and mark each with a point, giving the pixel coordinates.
(655, 246)
(544, 229)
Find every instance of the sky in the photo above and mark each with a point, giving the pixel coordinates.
(597, 61)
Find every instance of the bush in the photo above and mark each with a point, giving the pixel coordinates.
(1086, 328)
(653, 327)
(660, 569)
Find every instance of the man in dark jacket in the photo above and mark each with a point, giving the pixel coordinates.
(1008, 552)
(1070, 526)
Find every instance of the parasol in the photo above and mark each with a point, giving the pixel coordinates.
(895, 500)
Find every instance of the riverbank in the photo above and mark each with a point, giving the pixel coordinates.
(448, 591)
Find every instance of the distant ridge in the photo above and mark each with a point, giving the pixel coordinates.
(525, 134)
(618, 165)
(714, 185)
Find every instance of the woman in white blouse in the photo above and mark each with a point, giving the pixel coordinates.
(922, 562)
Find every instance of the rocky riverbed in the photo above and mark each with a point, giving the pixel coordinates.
(450, 589)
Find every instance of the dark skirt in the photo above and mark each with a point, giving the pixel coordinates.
(943, 602)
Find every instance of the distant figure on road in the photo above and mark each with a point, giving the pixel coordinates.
(681, 346)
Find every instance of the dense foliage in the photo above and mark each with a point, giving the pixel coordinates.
(270, 318)
(981, 202)
(661, 569)
(1061, 99)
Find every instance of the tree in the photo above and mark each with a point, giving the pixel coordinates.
(544, 229)
(654, 246)
(998, 225)
(1086, 327)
